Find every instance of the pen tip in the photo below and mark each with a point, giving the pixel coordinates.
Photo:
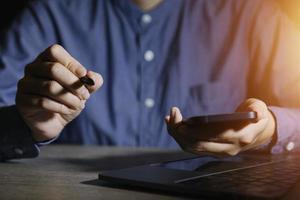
(86, 80)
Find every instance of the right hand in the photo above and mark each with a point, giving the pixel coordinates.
(229, 139)
(50, 95)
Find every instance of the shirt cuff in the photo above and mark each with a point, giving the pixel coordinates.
(46, 142)
(287, 129)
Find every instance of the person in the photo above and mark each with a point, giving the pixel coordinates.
(195, 57)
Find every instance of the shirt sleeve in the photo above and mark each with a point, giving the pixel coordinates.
(275, 73)
(288, 129)
(15, 138)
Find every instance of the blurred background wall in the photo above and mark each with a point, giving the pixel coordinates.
(292, 9)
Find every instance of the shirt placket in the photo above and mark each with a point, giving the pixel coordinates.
(147, 58)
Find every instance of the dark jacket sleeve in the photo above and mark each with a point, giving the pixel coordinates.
(29, 34)
(15, 137)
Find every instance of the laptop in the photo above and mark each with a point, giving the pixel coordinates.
(245, 176)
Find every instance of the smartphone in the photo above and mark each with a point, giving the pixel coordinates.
(238, 117)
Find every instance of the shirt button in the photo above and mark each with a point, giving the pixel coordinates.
(149, 103)
(146, 19)
(18, 151)
(149, 55)
(290, 146)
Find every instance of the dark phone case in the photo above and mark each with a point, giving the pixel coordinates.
(223, 118)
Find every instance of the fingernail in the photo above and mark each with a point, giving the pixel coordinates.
(173, 112)
(81, 71)
(86, 94)
(82, 105)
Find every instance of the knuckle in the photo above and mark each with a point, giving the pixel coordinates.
(227, 135)
(54, 49)
(255, 103)
(68, 111)
(75, 67)
(78, 105)
(42, 103)
(54, 68)
(83, 93)
(72, 65)
(246, 140)
(63, 109)
(50, 86)
(251, 100)
(232, 152)
(80, 91)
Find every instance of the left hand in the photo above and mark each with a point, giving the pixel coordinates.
(224, 140)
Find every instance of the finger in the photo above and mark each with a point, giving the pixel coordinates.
(52, 90)
(255, 105)
(56, 53)
(172, 116)
(252, 131)
(174, 121)
(246, 135)
(57, 72)
(167, 119)
(98, 80)
(175, 116)
(178, 116)
(32, 103)
(218, 148)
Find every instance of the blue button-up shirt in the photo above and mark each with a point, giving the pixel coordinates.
(204, 56)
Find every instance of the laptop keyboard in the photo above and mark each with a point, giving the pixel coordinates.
(268, 180)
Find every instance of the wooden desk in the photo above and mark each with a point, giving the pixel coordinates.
(70, 172)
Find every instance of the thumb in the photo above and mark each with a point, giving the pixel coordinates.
(175, 115)
(98, 80)
(255, 105)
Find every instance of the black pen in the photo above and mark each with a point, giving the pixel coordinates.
(87, 81)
